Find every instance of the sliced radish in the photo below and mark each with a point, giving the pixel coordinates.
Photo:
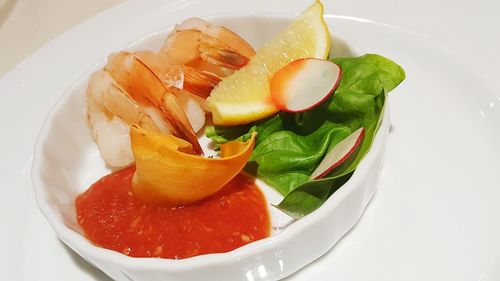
(304, 84)
(339, 154)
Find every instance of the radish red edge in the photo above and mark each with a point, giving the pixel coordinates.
(335, 158)
(290, 84)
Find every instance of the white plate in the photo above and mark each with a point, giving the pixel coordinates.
(436, 214)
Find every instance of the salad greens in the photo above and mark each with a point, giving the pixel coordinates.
(290, 146)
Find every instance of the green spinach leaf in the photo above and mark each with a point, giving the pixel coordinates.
(290, 146)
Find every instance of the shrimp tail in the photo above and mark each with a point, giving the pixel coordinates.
(181, 126)
(123, 106)
(198, 82)
(217, 53)
(195, 39)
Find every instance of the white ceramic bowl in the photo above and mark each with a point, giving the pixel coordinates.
(67, 161)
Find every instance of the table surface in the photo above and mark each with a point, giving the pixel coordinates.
(26, 25)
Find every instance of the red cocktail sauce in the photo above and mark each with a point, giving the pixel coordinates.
(113, 218)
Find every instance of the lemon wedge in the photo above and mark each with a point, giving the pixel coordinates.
(244, 97)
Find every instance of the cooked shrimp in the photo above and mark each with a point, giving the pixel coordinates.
(142, 84)
(196, 55)
(195, 39)
(110, 112)
(197, 82)
(162, 91)
(113, 141)
(192, 100)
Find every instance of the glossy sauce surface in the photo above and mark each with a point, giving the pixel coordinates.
(113, 218)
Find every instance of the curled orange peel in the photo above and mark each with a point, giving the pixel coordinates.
(168, 173)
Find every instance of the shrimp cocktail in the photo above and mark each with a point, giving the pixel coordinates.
(146, 103)
(187, 129)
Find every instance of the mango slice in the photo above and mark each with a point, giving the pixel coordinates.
(169, 174)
